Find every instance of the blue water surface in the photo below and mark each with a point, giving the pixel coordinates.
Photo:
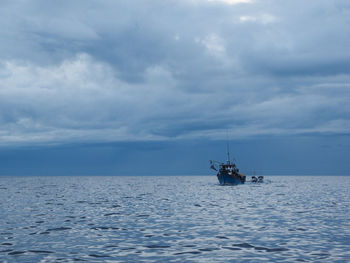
(174, 219)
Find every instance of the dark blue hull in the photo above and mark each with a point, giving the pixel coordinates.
(226, 179)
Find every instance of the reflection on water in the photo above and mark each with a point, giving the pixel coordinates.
(174, 219)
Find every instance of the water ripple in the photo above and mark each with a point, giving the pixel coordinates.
(174, 219)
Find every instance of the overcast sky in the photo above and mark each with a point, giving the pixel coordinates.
(184, 72)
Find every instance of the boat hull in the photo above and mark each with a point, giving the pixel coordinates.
(226, 179)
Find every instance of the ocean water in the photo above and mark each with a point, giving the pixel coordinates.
(174, 219)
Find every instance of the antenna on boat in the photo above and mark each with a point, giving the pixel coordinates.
(228, 148)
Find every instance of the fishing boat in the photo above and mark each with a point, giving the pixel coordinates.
(228, 173)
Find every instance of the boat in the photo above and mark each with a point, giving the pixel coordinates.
(228, 173)
(259, 179)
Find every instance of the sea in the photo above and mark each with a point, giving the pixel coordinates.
(174, 219)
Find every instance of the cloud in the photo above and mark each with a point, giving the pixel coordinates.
(264, 19)
(116, 71)
(231, 2)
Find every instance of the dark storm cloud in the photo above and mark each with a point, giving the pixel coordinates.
(159, 70)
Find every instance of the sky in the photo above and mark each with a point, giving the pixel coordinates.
(157, 87)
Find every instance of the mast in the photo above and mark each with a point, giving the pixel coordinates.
(228, 152)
